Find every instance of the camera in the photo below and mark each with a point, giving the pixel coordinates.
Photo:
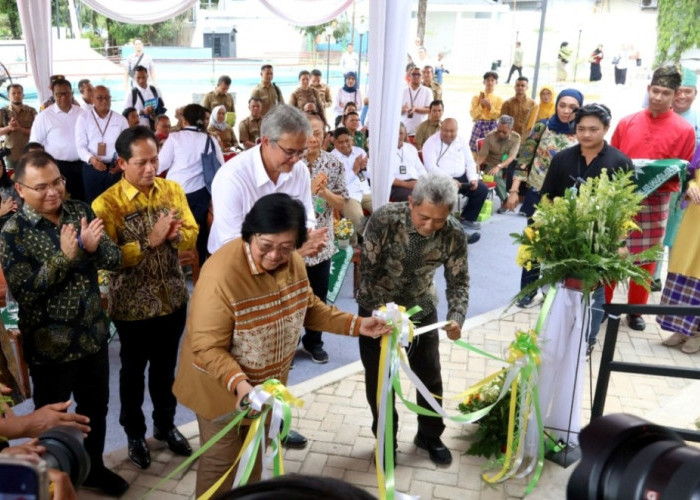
(627, 458)
(64, 451)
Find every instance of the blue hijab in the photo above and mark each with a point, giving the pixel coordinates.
(345, 85)
(554, 123)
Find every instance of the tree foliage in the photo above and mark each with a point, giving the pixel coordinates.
(678, 29)
(10, 27)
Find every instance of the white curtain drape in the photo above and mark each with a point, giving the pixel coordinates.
(140, 11)
(36, 28)
(307, 12)
(388, 27)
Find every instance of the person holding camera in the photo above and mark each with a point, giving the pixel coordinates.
(51, 251)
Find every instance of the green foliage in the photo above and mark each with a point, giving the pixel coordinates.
(10, 27)
(677, 29)
(491, 434)
(580, 234)
(341, 28)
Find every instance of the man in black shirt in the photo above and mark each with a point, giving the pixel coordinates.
(572, 166)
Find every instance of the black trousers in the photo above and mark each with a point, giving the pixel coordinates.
(96, 182)
(475, 199)
(87, 379)
(513, 69)
(155, 342)
(73, 172)
(319, 276)
(199, 202)
(424, 360)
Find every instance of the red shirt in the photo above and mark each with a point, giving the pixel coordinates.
(666, 136)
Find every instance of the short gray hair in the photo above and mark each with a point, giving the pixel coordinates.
(437, 189)
(283, 119)
(506, 120)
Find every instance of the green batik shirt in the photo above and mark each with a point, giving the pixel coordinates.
(398, 265)
(60, 311)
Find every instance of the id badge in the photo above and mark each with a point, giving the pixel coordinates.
(101, 149)
(402, 169)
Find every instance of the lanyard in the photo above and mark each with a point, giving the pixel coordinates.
(441, 153)
(400, 155)
(410, 95)
(102, 131)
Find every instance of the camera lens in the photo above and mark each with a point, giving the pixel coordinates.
(65, 452)
(627, 458)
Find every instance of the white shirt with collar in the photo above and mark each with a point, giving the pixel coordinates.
(356, 186)
(420, 98)
(407, 156)
(84, 105)
(137, 104)
(453, 159)
(241, 182)
(55, 130)
(181, 157)
(90, 130)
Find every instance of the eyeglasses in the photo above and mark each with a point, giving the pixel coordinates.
(291, 153)
(42, 189)
(267, 247)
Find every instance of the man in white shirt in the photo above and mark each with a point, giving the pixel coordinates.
(86, 100)
(55, 130)
(96, 133)
(406, 167)
(448, 153)
(146, 99)
(138, 58)
(415, 104)
(349, 60)
(272, 166)
(354, 161)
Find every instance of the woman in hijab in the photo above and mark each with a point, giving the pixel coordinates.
(543, 109)
(222, 130)
(348, 93)
(547, 139)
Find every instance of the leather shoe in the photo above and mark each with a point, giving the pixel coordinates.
(437, 451)
(139, 453)
(106, 481)
(294, 440)
(636, 322)
(473, 238)
(176, 441)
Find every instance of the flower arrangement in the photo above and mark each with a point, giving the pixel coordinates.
(582, 235)
(492, 431)
(343, 229)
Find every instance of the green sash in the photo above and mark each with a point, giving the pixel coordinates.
(650, 175)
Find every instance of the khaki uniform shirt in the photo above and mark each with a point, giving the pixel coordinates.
(268, 95)
(425, 130)
(15, 141)
(495, 149)
(249, 130)
(437, 90)
(214, 99)
(324, 94)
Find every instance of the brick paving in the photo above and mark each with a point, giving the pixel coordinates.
(337, 421)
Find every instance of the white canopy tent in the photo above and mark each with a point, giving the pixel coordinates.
(388, 30)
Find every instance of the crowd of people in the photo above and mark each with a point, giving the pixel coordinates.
(94, 189)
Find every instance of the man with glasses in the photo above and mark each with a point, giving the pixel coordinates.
(96, 133)
(54, 128)
(51, 250)
(150, 220)
(273, 166)
(416, 102)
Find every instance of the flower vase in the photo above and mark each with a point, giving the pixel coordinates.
(342, 244)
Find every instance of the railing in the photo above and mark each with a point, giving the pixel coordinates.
(608, 365)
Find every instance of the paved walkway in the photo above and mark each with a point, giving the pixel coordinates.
(337, 421)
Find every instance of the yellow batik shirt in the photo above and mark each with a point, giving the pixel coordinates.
(150, 282)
